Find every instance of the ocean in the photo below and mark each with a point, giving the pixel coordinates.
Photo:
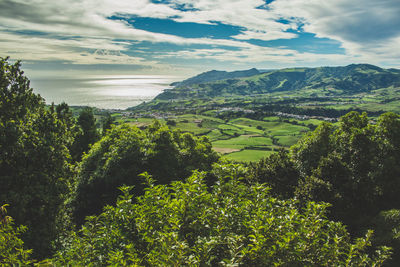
(107, 92)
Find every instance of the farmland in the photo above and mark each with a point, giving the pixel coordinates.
(240, 139)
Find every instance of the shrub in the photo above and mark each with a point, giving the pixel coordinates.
(186, 224)
(125, 152)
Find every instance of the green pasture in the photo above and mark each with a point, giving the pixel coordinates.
(249, 129)
(248, 155)
(244, 141)
(241, 139)
(217, 135)
(192, 127)
(230, 129)
(272, 127)
(288, 140)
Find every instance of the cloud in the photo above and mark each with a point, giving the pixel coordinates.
(258, 23)
(90, 19)
(266, 57)
(264, 35)
(81, 31)
(368, 29)
(74, 50)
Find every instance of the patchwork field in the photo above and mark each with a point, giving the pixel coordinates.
(240, 139)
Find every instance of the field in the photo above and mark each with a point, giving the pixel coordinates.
(286, 104)
(240, 139)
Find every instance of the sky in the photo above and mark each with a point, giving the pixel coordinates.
(185, 37)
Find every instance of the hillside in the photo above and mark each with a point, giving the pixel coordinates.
(322, 81)
(215, 75)
(309, 200)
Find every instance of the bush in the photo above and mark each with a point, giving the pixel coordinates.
(35, 172)
(186, 224)
(12, 252)
(125, 152)
(356, 168)
(171, 122)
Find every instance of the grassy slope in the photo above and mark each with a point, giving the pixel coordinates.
(239, 139)
(362, 86)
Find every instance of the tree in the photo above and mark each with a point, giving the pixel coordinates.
(188, 224)
(171, 122)
(65, 114)
(88, 134)
(115, 160)
(35, 174)
(108, 121)
(12, 251)
(355, 168)
(125, 152)
(278, 171)
(17, 98)
(307, 152)
(387, 225)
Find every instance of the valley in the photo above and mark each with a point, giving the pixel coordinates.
(248, 115)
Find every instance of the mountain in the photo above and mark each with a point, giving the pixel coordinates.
(322, 81)
(215, 75)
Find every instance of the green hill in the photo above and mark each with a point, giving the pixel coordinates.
(215, 75)
(322, 81)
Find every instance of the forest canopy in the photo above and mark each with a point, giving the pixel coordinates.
(72, 194)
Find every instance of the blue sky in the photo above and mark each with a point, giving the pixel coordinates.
(185, 37)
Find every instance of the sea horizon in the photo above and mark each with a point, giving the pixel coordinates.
(102, 91)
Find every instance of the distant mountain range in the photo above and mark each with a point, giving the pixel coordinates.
(347, 80)
(215, 75)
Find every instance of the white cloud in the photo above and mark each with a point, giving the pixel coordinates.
(367, 29)
(89, 19)
(265, 36)
(71, 30)
(76, 51)
(265, 57)
(257, 23)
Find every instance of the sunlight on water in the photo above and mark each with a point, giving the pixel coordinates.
(112, 92)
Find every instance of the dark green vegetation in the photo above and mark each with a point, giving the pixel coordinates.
(310, 82)
(125, 152)
(279, 105)
(189, 207)
(35, 168)
(12, 250)
(87, 134)
(354, 166)
(214, 75)
(241, 139)
(324, 91)
(231, 223)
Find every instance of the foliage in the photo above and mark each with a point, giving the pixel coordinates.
(236, 221)
(12, 252)
(358, 161)
(278, 171)
(107, 123)
(307, 152)
(348, 80)
(186, 224)
(34, 158)
(125, 152)
(387, 224)
(355, 167)
(87, 135)
(215, 75)
(171, 122)
(17, 98)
